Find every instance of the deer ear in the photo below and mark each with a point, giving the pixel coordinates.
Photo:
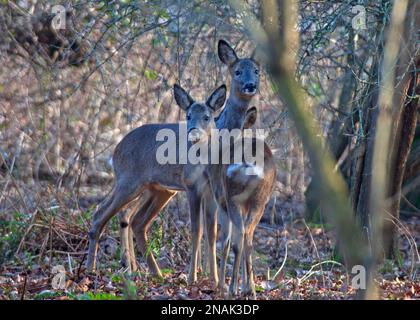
(250, 118)
(226, 54)
(182, 98)
(217, 98)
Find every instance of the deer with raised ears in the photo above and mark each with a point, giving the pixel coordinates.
(138, 169)
(200, 122)
(136, 173)
(241, 190)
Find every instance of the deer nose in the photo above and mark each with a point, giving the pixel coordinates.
(250, 87)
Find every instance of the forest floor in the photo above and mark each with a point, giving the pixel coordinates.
(293, 259)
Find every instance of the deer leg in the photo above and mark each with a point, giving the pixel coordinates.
(202, 251)
(141, 222)
(250, 284)
(226, 232)
(237, 244)
(120, 196)
(194, 200)
(93, 240)
(124, 218)
(253, 218)
(128, 256)
(131, 250)
(200, 254)
(210, 213)
(146, 202)
(139, 225)
(244, 273)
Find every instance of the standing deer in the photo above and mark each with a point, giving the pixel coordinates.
(162, 181)
(137, 172)
(242, 190)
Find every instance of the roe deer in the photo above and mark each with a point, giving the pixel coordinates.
(135, 168)
(241, 194)
(200, 122)
(154, 178)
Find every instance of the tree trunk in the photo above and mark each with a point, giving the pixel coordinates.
(404, 138)
(289, 162)
(301, 165)
(405, 111)
(412, 168)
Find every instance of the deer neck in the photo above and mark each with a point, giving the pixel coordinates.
(233, 113)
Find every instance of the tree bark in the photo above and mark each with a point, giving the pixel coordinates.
(412, 168)
(405, 111)
(363, 160)
(404, 138)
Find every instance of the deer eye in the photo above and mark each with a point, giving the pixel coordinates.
(206, 118)
(257, 72)
(188, 117)
(238, 73)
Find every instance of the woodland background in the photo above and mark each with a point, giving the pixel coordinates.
(67, 97)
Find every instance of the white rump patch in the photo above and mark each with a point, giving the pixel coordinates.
(245, 169)
(253, 170)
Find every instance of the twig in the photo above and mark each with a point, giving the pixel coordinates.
(316, 249)
(80, 265)
(310, 272)
(282, 265)
(22, 297)
(31, 224)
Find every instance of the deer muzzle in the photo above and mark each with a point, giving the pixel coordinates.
(196, 134)
(249, 89)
